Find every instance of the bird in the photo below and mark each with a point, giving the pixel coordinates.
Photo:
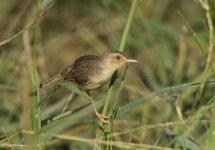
(90, 72)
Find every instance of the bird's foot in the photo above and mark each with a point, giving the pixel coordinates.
(102, 118)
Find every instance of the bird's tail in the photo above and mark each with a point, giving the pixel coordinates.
(47, 84)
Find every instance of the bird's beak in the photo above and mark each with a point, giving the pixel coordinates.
(131, 61)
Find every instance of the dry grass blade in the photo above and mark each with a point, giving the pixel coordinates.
(44, 12)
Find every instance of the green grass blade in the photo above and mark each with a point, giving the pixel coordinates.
(47, 95)
(66, 119)
(121, 49)
(187, 143)
(76, 90)
(167, 90)
(35, 111)
(69, 119)
(46, 3)
(210, 144)
(128, 25)
(62, 115)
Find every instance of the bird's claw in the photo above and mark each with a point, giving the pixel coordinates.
(102, 118)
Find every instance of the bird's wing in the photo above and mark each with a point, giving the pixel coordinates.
(80, 71)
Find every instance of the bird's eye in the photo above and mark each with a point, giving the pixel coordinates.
(118, 57)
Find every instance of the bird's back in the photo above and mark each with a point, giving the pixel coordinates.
(82, 70)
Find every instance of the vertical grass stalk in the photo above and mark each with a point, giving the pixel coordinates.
(211, 136)
(206, 6)
(35, 110)
(121, 49)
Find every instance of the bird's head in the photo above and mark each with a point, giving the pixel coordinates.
(116, 60)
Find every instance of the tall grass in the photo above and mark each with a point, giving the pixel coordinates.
(164, 102)
(109, 94)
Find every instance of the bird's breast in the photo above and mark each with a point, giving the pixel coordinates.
(103, 76)
(99, 79)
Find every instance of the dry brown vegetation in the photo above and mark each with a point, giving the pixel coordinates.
(173, 41)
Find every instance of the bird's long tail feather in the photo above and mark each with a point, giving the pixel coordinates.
(47, 84)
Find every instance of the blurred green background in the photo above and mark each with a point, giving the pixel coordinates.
(160, 38)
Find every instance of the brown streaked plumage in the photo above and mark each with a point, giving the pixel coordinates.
(90, 72)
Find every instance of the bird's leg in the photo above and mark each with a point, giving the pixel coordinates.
(101, 117)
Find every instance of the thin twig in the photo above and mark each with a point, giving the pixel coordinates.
(206, 7)
(28, 26)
